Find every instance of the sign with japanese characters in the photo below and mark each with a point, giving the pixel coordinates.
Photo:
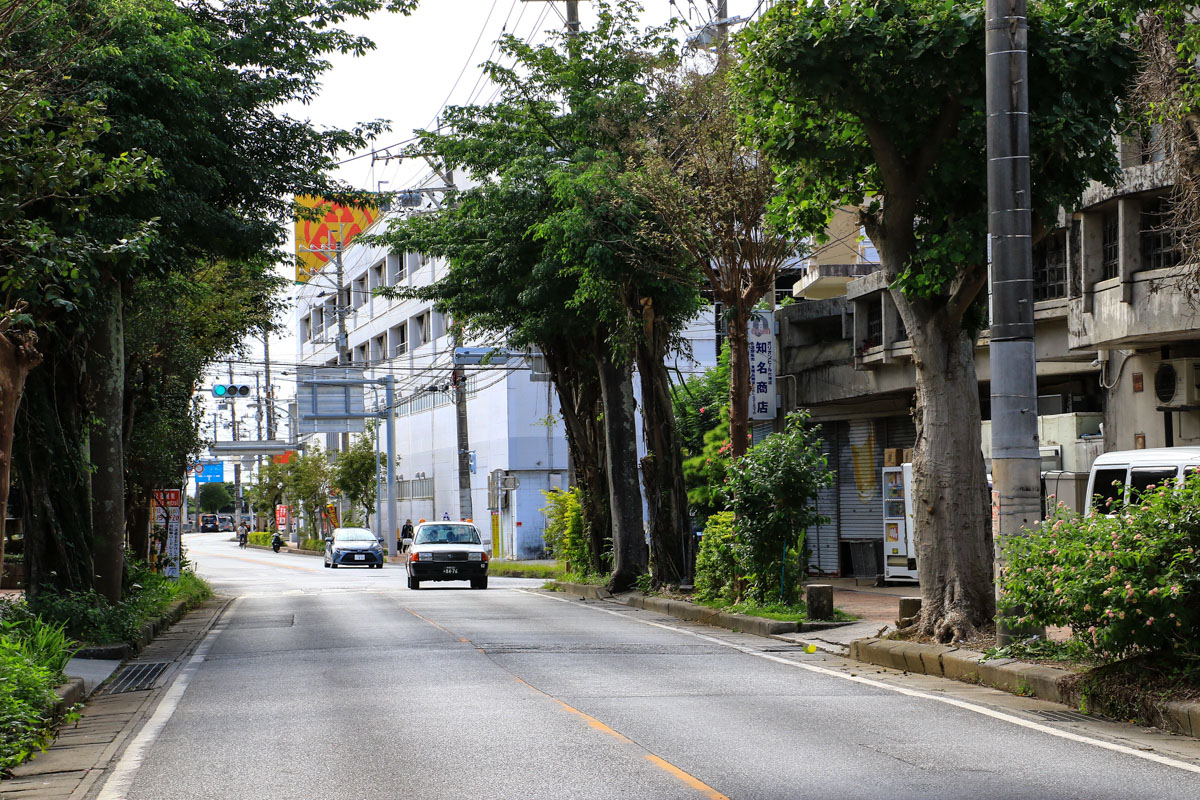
(166, 542)
(762, 365)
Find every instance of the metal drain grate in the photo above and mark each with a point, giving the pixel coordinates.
(1065, 716)
(135, 677)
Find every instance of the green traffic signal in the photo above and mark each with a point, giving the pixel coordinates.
(218, 391)
(230, 390)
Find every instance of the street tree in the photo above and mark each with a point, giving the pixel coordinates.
(879, 105)
(268, 491)
(50, 170)
(356, 472)
(545, 249)
(711, 190)
(213, 497)
(308, 483)
(197, 87)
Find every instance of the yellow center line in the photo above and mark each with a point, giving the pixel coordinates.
(675, 772)
(666, 766)
(691, 780)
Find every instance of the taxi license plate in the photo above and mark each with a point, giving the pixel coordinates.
(450, 570)
(359, 557)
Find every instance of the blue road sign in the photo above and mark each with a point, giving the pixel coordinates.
(210, 471)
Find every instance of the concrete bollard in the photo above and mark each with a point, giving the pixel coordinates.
(819, 599)
(910, 608)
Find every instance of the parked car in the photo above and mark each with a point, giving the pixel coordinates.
(447, 551)
(225, 521)
(209, 523)
(1115, 473)
(356, 547)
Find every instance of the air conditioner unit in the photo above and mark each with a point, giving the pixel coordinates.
(1177, 383)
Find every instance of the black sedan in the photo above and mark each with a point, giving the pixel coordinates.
(447, 551)
(356, 547)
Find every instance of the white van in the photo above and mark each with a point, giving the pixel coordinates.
(1137, 469)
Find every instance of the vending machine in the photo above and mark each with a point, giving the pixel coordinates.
(899, 546)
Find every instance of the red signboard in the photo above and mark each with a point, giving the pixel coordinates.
(168, 498)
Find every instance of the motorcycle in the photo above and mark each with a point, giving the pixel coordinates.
(276, 542)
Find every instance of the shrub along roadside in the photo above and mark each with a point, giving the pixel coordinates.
(33, 654)
(1128, 586)
(89, 618)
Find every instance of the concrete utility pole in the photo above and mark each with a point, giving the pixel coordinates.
(1016, 461)
(270, 392)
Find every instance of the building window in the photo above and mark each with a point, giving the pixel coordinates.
(1160, 246)
(360, 354)
(421, 329)
(1050, 267)
(396, 268)
(377, 276)
(1110, 260)
(359, 293)
(305, 329)
(399, 336)
(874, 323)
(379, 347)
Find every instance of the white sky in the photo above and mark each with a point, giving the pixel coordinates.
(409, 77)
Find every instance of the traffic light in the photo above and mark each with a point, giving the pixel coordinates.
(227, 391)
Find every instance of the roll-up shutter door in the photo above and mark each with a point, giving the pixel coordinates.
(823, 538)
(760, 431)
(859, 462)
(901, 432)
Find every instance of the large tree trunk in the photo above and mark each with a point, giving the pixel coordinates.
(624, 494)
(579, 403)
(662, 466)
(739, 381)
(106, 363)
(53, 468)
(18, 355)
(954, 548)
(137, 516)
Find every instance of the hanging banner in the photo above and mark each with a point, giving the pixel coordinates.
(761, 331)
(316, 238)
(166, 548)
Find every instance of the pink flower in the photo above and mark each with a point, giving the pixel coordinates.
(1150, 621)
(1153, 591)
(1087, 607)
(1120, 615)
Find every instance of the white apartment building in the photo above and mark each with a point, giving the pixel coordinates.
(513, 418)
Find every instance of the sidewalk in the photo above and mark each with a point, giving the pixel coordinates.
(79, 756)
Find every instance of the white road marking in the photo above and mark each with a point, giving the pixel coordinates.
(120, 779)
(950, 701)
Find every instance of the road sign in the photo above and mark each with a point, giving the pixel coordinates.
(167, 547)
(330, 400)
(210, 471)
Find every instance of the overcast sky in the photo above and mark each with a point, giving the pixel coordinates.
(420, 63)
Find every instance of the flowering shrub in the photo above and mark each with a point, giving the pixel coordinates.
(1126, 583)
(772, 492)
(716, 565)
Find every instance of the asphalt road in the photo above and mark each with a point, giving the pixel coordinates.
(343, 683)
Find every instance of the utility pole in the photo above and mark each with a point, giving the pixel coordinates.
(1016, 461)
(270, 391)
(572, 17)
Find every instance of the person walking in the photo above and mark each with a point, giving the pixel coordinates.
(406, 536)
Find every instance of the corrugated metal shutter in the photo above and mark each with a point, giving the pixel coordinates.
(823, 539)
(760, 431)
(859, 463)
(901, 432)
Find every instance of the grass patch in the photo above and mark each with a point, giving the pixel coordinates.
(1069, 654)
(782, 612)
(522, 569)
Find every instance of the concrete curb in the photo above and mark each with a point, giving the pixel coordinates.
(1009, 674)
(693, 612)
(69, 694)
(289, 550)
(124, 650)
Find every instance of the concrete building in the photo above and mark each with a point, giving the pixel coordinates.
(513, 417)
(1118, 356)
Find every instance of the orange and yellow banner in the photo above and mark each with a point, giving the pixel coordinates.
(317, 238)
